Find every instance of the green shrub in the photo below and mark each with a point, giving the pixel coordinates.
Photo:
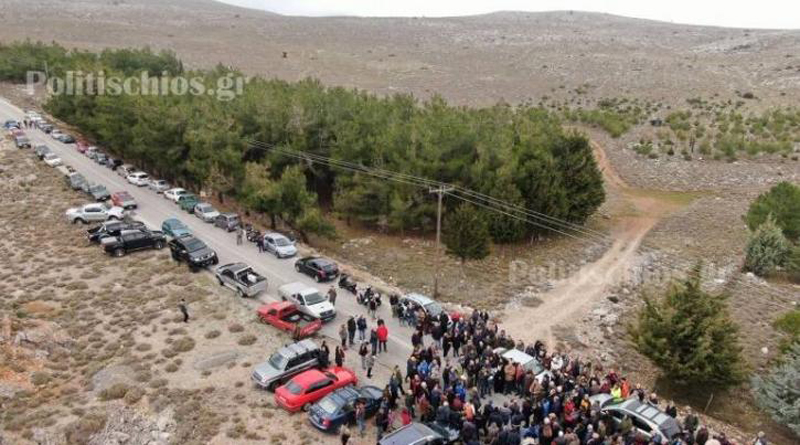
(767, 249)
(782, 201)
(779, 393)
(114, 392)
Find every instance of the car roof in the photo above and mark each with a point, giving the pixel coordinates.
(173, 220)
(419, 298)
(310, 376)
(646, 411)
(275, 235)
(301, 347)
(409, 434)
(123, 193)
(229, 215)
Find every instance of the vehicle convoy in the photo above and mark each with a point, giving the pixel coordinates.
(112, 229)
(285, 363)
(241, 278)
(280, 245)
(123, 199)
(286, 317)
(320, 269)
(648, 420)
(193, 252)
(308, 300)
(132, 240)
(95, 212)
(309, 386)
(175, 228)
(338, 408)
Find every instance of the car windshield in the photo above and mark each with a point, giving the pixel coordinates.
(175, 225)
(97, 188)
(282, 242)
(277, 360)
(194, 244)
(433, 308)
(314, 298)
(143, 176)
(294, 388)
(329, 404)
(327, 267)
(205, 208)
(50, 156)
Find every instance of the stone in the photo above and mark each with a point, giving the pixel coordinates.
(613, 298)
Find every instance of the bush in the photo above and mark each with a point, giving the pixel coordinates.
(466, 234)
(779, 393)
(213, 334)
(789, 324)
(115, 392)
(134, 395)
(183, 344)
(236, 327)
(247, 340)
(688, 334)
(80, 431)
(767, 249)
(782, 202)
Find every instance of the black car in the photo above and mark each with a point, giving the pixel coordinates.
(413, 433)
(131, 240)
(320, 269)
(193, 251)
(113, 163)
(338, 407)
(112, 229)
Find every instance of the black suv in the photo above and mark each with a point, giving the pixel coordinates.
(112, 229)
(130, 240)
(193, 251)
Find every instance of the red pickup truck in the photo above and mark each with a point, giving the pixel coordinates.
(285, 316)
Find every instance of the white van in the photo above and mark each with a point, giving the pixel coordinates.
(308, 300)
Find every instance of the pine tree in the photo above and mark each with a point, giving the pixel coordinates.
(767, 249)
(466, 234)
(688, 334)
(783, 202)
(779, 391)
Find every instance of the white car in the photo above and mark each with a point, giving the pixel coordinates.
(308, 300)
(52, 159)
(95, 212)
(158, 185)
(206, 212)
(278, 244)
(140, 179)
(55, 134)
(175, 194)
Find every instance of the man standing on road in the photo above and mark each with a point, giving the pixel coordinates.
(383, 335)
(361, 324)
(351, 329)
(239, 235)
(184, 310)
(332, 296)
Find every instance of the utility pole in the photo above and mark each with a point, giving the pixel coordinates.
(440, 191)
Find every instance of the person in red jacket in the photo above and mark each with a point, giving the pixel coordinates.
(383, 335)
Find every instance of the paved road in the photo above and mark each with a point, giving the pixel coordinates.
(153, 209)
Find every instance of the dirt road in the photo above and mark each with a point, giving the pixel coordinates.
(568, 301)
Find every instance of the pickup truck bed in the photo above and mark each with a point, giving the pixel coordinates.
(241, 278)
(286, 317)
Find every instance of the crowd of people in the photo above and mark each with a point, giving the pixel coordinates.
(457, 368)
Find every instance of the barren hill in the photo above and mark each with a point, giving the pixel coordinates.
(478, 59)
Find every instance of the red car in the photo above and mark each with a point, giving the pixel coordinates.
(309, 386)
(285, 316)
(123, 199)
(82, 146)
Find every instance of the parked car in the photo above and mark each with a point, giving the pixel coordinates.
(113, 163)
(308, 300)
(193, 252)
(175, 228)
(139, 179)
(187, 202)
(111, 229)
(280, 245)
(175, 193)
(96, 191)
(647, 419)
(414, 433)
(285, 363)
(227, 221)
(309, 386)
(56, 134)
(124, 170)
(528, 362)
(338, 408)
(52, 159)
(241, 278)
(91, 152)
(45, 126)
(206, 212)
(41, 150)
(95, 212)
(11, 123)
(66, 139)
(158, 185)
(76, 181)
(286, 317)
(416, 301)
(123, 199)
(318, 268)
(22, 142)
(132, 240)
(101, 158)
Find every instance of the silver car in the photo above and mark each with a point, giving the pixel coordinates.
(647, 419)
(158, 185)
(278, 244)
(285, 363)
(206, 212)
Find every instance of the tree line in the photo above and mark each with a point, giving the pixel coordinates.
(519, 154)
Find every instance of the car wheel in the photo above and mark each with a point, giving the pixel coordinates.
(113, 218)
(175, 257)
(77, 220)
(297, 267)
(273, 386)
(317, 278)
(159, 245)
(119, 252)
(221, 283)
(306, 407)
(239, 293)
